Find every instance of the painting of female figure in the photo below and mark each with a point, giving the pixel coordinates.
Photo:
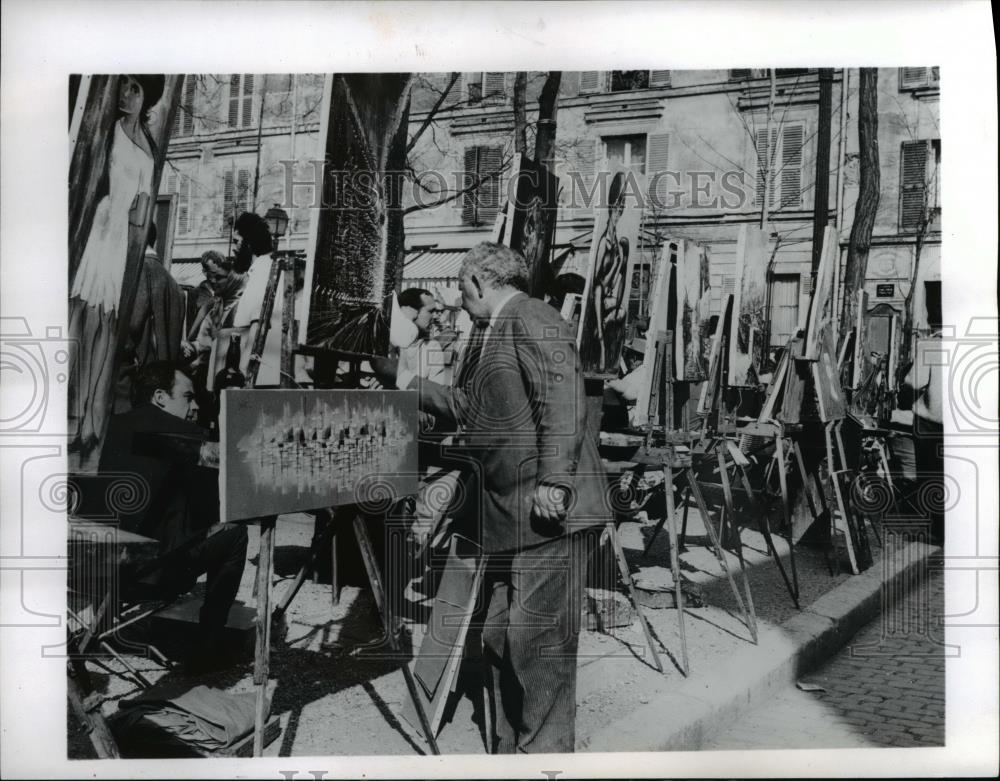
(602, 330)
(123, 194)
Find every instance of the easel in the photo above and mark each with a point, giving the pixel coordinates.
(291, 268)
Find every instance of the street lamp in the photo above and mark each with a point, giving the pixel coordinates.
(277, 222)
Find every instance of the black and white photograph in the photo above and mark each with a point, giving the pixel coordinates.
(403, 419)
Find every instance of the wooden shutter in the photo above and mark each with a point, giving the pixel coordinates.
(659, 78)
(494, 87)
(913, 181)
(766, 157)
(234, 100)
(590, 81)
(738, 74)
(784, 308)
(469, 199)
(188, 122)
(910, 78)
(490, 162)
(228, 190)
(454, 96)
(248, 117)
(176, 129)
(243, 194)
(657, 161)
(791, 166)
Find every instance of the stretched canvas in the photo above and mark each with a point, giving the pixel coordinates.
(821, 314)
(659, 304)
(286, 451)
(747, 346)
(710, 387)
(613, 251)
(693, 336)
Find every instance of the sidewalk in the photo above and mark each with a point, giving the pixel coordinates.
(334, 703)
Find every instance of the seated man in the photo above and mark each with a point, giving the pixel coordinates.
(157, 443)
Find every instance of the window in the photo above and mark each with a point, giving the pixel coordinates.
(919, 188)
(784, 308)
(490, 89)
(184, 117)
(180, 185)
(627, 151)
(783, 152)
(779, 72)
(622, 81)
(236, 196)
(241, 100)
(739, 74)
(483, 169)
(915, 78)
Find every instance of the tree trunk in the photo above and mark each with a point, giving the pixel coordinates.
(548, 105)
(868, 197)
(520, 115)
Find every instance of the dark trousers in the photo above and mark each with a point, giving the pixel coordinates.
(533, 605)
(222, 556)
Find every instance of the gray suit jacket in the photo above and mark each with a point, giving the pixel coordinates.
(523, 417)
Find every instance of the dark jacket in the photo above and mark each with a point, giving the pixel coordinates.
(173, 499)
(523, 416)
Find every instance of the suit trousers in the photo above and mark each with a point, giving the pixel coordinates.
(533, 608)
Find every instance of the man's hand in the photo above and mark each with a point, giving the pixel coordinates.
(385, 369)
(209, 455)
(549, 503)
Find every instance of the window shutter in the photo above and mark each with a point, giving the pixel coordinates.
(909, 78)
(234, 100)
(728, 285)
(247, 100)
(189, 85)
(454, 96)
(658, 161)
(469, 199)
(659, 78)
(913, 166)
(490, 162)
(495, 85)
(176, 129)
(227, 201)
(765, 158)
(474, 87)
(243, 194)
(183, 205)
(791, 166)
(738, 74)
(805, 283)
(590, 81)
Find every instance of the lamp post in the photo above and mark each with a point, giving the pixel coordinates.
(277, 222)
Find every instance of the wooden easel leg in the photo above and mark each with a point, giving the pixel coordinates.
(844, 524)
(675, 563)
(627, 578)
(388, 623)
(855, 522)
(807, 490)
(682, 543)
(88, 712)
(737, 539)
(262, 651)
(749, 616)
(787, 514)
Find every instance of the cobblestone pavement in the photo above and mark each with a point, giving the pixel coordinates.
(885, 688)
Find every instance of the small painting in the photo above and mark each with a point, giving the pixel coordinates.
(821, 314)
(747, 346)
(694, 301)
(286, 451)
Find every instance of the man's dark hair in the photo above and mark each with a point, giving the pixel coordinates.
(256, 240)
(154, 376)
(413, 297)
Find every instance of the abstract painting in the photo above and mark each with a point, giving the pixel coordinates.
(357, 233)
(286, 451)
(694, 300)
(747, 346)
(613, 251)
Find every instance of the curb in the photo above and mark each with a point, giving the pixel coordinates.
(685, 718)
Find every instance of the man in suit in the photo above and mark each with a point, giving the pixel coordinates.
(157, 442)
(536, 497)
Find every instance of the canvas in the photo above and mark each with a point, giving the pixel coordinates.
(284, 451)
(613, 252)
(748, 344)
(659, 291)
(694, 300)
(821, 309)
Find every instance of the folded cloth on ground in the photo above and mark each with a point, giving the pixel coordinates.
(204, 718)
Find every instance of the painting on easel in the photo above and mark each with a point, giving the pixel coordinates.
(694, 301)
(747, 347)
(821, 310)
(613, 253)
(284, 451)
(527, 222)
(659, 305)
(713, 382)
(356, 236)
